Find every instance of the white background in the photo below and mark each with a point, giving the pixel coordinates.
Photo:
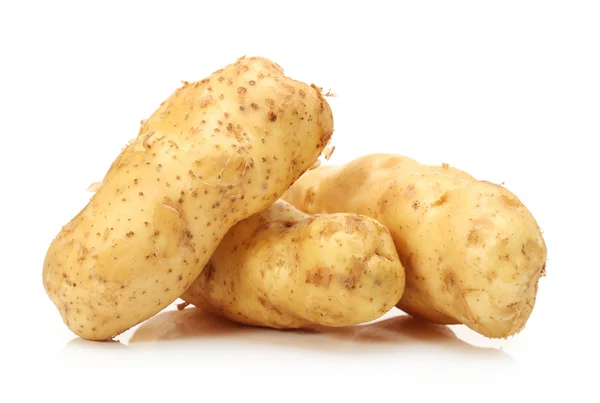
(508, 91)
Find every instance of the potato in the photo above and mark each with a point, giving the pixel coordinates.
(215, 152)
(472, 251)
(284, 269)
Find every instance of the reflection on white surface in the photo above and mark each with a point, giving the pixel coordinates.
(79, 344)
(185, 324)
(183, 347)
(173, 328)
(396, 333)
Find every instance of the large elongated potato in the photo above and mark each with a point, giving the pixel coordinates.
(215, 152)
(473, 253)
(284, 269)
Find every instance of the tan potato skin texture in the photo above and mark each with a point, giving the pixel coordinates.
(215, 152)
(472, 251)
(284, 269)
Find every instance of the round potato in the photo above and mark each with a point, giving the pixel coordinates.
(284, 269)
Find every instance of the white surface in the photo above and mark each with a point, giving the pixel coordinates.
(509, 91)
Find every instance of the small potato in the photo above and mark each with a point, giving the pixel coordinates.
(215, 152)
(473, 253)
(284, 269)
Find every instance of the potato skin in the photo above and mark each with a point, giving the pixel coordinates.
(215, 152)
(284, 269)
(472, 251)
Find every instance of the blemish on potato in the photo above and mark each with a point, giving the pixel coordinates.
(531, 249)
(476, 237)
(355, 273)
(443, 199)
(319, 276)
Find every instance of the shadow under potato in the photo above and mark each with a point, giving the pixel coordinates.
(184, 324)
(396, 332)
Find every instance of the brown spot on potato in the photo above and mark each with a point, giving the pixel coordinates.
(209, 272)
(331, 228)
(309, 196)
(476, 238)
(443, 199)
(355, 272)
(355, 224)
(383, 206)
(272, 117)
(320, 276)
(449, 279)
